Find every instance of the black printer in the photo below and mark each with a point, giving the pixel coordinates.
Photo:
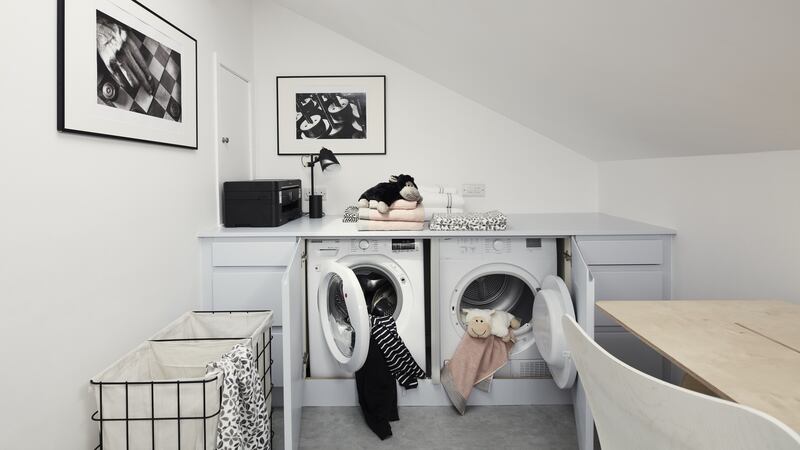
(261, 203)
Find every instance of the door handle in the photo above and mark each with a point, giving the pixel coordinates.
(225, 140)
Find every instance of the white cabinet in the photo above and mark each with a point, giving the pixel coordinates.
(245, 273)
(628, 268)
(264, 273)
(294, 357)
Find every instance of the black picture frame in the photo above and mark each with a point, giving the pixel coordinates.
(190, 134)
(340, 146)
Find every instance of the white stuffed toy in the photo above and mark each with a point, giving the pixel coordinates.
(502, 323)
(483, 322)
(479, 322)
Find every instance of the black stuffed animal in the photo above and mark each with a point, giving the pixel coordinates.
(382, 195)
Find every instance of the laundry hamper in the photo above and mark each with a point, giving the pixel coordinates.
(159, 396)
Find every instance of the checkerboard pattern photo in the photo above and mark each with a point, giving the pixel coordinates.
(156, 87)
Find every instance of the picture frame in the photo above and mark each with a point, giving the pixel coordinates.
(346, 113)
(125, 72)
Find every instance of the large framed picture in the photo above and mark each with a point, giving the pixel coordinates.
(125, 72)
(342, 112)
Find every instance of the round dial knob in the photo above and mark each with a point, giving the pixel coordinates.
(363, 244)
(498, 245)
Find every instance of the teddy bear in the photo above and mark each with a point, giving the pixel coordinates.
(384, 194)
(484, 322)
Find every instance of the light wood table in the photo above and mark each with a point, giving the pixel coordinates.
(746, 351)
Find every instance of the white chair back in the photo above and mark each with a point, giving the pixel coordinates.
(633, 410)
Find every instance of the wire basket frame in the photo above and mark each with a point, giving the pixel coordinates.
(211, 407)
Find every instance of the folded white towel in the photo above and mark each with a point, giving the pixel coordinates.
(438, 189)
(442, 200)
(429, 212)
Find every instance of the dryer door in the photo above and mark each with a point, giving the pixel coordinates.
(343, 316)
(551, 303)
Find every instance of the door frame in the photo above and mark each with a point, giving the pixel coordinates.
(220, 63)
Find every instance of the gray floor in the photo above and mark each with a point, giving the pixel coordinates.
(483, 427)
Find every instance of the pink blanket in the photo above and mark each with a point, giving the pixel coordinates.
(387, 225)
(399, 215)
(403, 204)
(474, 361)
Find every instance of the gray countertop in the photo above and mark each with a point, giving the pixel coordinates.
(542, 225)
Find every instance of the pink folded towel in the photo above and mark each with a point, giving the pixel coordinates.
(474, 362)
(402, 204)
(386, 225)
(399, 215)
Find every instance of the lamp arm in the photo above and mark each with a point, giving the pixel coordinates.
(311, 164)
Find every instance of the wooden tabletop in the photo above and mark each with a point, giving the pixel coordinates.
(747, 351)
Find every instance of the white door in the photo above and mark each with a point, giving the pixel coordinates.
(294, 372)
(552, 302)
(343, 316)
(233, 127)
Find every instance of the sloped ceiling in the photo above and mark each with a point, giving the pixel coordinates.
(612, 79)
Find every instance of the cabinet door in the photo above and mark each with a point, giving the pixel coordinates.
(293, 287)
(583, 296)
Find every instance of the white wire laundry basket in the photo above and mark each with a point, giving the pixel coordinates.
(159, 396)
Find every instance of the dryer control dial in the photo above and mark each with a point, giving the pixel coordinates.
(498, 245)
(363, 244)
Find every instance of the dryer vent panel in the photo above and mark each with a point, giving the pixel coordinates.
(535, 368)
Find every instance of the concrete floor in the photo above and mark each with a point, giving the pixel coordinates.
(483, 427)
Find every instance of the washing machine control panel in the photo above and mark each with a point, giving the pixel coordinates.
(384, 245)
(460, 248)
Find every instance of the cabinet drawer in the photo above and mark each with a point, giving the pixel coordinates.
(620, 252)
(633, 352)
(625, 284)
(251, 253)
(248, 288)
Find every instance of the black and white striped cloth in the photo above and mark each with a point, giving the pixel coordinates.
(399, 360)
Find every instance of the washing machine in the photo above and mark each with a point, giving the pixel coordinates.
(515, 275)
(350, 279)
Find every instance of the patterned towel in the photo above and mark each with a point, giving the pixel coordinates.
(243, 419)
(488, 221)
(401, 364)
(350, 214)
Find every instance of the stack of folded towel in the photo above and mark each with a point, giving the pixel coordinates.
(404, 215)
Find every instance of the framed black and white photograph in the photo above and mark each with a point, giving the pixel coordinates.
(346, 113)
(125, 72)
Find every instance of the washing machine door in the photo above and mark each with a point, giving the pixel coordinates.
(343, 316)
(551, 303)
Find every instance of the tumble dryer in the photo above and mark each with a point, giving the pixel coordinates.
(520, 275)
(350, 279)
(514, 275)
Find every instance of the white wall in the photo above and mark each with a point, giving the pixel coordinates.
(737, 217)
(428, 128)
(98, 244)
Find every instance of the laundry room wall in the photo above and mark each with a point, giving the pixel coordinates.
(737, 218)
(433, 133)
(98, 245)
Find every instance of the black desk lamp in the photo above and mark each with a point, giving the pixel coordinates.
(327, 160)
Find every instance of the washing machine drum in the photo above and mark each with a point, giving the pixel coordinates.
(552, 303)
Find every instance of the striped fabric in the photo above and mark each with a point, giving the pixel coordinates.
(399, 360)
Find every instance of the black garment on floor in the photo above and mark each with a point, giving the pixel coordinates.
(377, 393)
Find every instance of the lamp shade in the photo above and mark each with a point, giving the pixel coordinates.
(327, 160)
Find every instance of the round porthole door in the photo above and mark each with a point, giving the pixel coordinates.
(552, 302)
(343, 316)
